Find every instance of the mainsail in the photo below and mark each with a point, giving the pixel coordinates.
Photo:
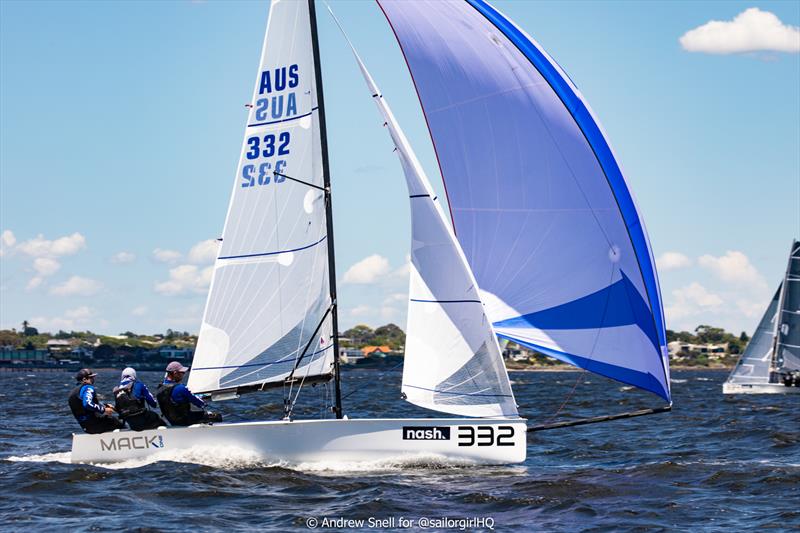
(539, 204)
(452, 360)
(269, 304)
(787, 342)
(755, 363)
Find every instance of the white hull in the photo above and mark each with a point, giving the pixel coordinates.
(758, 388)
(486, 441)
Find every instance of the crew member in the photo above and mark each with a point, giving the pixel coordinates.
(92, 416)
(132, 398)
(176, 400)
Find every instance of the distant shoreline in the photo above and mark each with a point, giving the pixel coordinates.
(559, 368)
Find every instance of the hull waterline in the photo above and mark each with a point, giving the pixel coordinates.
(482, 441)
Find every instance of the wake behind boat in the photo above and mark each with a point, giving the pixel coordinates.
(549, 252)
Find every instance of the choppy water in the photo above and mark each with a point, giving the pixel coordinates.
(715, 463)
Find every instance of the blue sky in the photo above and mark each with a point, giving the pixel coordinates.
(121, 124)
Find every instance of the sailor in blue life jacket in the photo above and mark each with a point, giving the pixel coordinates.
(132, 398)
(92, 416)
(176, 400)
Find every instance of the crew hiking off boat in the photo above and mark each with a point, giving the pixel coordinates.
(92, 416)
(132, 399)
(176, 400)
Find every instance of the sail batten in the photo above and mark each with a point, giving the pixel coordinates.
(537, 198)
(270, 291)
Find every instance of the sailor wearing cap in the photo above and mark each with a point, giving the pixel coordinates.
(176, 400)
(92, 416)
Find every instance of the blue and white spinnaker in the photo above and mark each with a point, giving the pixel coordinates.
(452, 359)
(538, 200)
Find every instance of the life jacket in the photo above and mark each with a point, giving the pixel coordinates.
(76, 405)
(175, 413)
(126, 404)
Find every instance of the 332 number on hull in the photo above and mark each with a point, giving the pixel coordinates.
(486, 436)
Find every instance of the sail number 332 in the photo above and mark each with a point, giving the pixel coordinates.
(265, 146)
(485, 436)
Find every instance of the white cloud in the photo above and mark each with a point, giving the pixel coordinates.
(185, 279)
(140, 310)
(752, 30)
(388, 313)
(672, 261)
(77, 286)
(733, 267)
(692, 300)
(7, 241)
(404, 270)
(361, 310)
(397, 297)
(73, 319)
(79, 313)
(751, 308)
(46, 266)
(368, 270)
(41, 247)
(166, 256)
(204, 252)
(123, 257)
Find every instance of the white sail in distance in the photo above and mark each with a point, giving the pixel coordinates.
(269, 297)
(452, 362)
(755, 364)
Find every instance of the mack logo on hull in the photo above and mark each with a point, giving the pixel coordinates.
(131, 443)
(426, 433)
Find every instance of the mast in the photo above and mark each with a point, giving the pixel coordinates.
(779, 316)
(328, 208)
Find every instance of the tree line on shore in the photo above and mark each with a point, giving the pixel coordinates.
(128, 344)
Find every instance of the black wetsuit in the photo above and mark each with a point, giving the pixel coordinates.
(132, 399)
(89, 414)
(175, 401)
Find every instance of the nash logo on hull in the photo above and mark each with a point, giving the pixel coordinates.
(426, 433)
(131, 443)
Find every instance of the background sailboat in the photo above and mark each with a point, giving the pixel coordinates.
(771, 362)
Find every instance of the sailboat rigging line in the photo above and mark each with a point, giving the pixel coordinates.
(308, 344)
(298, 180)
(288, 404)
(382, 374)
(596, 419)
(326, 176)
(276, 252)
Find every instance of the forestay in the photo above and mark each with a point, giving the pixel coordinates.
(452, 359)
(538, 201)
(269, 289)
(754, 365)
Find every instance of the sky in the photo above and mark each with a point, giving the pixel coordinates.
(121, 127)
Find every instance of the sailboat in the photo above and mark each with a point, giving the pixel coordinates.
(770, 363)
(542, 245)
